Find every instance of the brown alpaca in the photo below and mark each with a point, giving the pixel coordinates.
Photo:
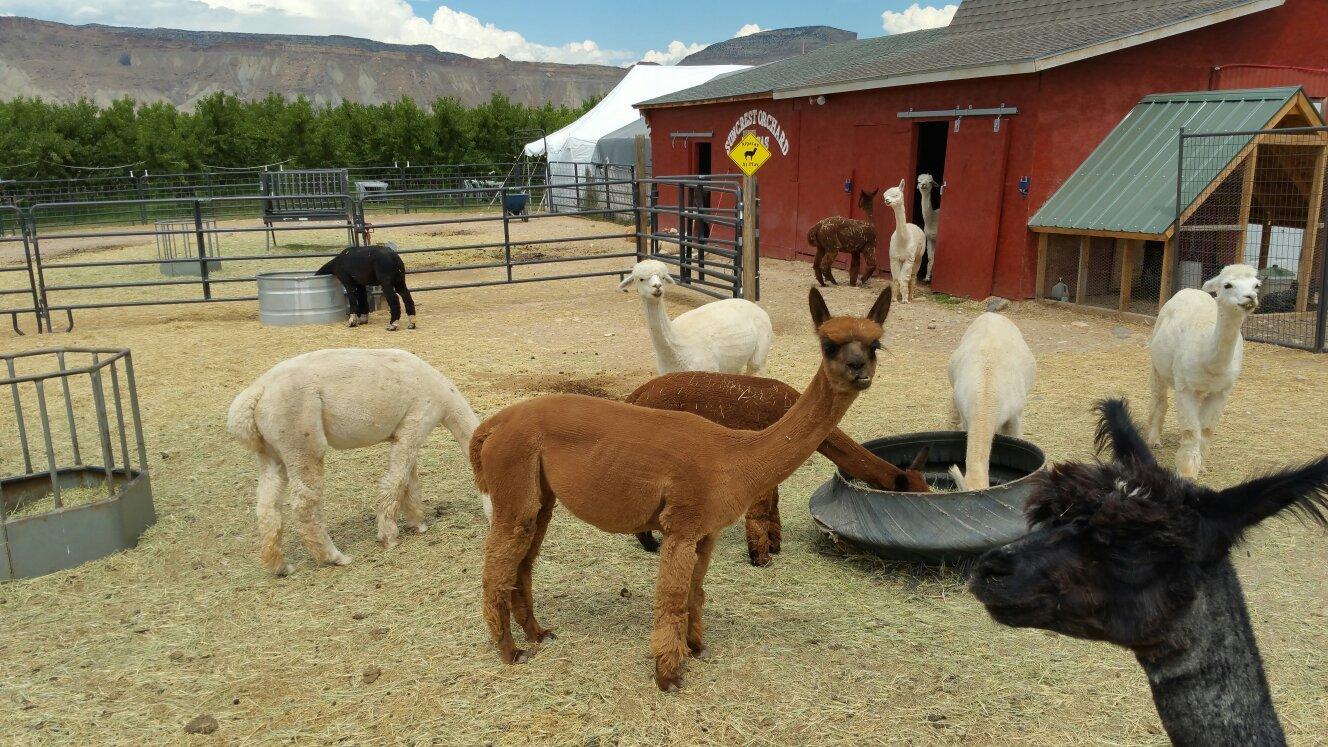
(629, 469)
(836, 234)
(751, 403)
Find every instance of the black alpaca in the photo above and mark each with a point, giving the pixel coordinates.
(358, 267)
(1131, 553)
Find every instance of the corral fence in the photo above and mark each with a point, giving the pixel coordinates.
(208, 250)
(1265, 209)
(1254, 197)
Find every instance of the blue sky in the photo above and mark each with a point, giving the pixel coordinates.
(589, 31)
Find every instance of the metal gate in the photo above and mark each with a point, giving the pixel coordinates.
(1257, 198)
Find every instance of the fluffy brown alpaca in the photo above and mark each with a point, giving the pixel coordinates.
(629, 469)
(836, 234)
(751, 403)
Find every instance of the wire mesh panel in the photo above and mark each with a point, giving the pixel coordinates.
(1258, 198)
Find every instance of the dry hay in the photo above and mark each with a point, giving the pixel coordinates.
(816, 649)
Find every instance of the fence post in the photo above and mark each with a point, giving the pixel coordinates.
(653, 219)
(638, 214)
(608, 197)
(684, 231)
(507, 236)
(1309, 242)
(142, 195)
(32, 278)
(202, 249)
(44, 306)
(750, 250)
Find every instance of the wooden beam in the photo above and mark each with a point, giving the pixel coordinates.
(1310, 238)
(1221, 177)
(1168, 263)
(1265, 240)
(750, 250)
(1081, 283)
(1130, 252)
(1246, 203)
(1096, 232)
(1040, 282)
(1128, 316)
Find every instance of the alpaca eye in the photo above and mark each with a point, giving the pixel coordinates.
(1227, 286)
(829, 348)
(875, 346)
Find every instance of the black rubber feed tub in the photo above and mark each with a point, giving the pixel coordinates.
(932, 527)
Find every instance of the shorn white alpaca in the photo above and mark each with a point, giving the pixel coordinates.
(342, 399)
(992, 372)
(931, 221)
(728, 336)
(906, 245)
(1197, 350)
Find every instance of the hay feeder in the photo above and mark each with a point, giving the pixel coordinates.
(933, 528)
(58, 509)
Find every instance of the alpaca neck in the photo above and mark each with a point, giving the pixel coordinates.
(662, 335)
(1222, 343)
(927, 212)
(771, 455)
(1207, 679)
(869, 208)
(901, 220)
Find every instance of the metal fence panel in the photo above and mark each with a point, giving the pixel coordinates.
(1265, 209)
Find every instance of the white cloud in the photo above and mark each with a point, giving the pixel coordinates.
(748, 30)
(917, 17)
(392, 21)
(675, 51)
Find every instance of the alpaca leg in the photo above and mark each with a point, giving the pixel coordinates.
(827, 265)
(1158, 413)
(404, 292)
(931, 256)
(775, 527)
(362, 297)
(1188, 459)
(758, 537)
(353, 300)
(413, 504)
(1210, 413)
(523, 600)
(869, 264)
(756, 364)
(505, 548)
(956, 418)
(896, 274)
(1013, 427)
(393, 487)
(816, 267)
(306, 487)
(393, 304)
(668, 640)
(271, 485)
(696, 598)
(854, 264)
(648, 541)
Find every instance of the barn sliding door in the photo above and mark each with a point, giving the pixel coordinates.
(880, 160)
(975, 159)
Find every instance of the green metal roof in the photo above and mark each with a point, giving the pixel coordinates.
(1128, 183)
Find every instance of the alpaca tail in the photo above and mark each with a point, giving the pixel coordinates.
(477, 439)
(241, 422)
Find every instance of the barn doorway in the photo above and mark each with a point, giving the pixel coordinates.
(929, 159)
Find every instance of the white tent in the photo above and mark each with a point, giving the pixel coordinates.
(575, 143)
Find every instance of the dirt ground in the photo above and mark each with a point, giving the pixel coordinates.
(820, 648)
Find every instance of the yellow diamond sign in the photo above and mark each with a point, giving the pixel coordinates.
(750, 154)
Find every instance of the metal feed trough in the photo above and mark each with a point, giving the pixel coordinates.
(306, 195)
(76, 485)
(178, 246)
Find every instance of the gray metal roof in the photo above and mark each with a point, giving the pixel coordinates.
(987, 37)
(1128, 183)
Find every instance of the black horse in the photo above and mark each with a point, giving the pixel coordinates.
(358, 267)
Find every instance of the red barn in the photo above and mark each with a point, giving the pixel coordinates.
(1001, 106)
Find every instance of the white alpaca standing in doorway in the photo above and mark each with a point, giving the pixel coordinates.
(931, 221)
(906, 245)
(1197, 349)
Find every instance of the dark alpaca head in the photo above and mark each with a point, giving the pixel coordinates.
(1117, 550)
(865, 199)
(849, 343)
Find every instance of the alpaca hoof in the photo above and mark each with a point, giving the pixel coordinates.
(775, 546)
(392, 327)
(342, 558)
(545, 637)
(518, 657)
(353, 322)
(702, 653)
(759, 559)
(1154, 443)
(285, 570)
(364, 318)
(410, 325)
(668, 684)
(421, 528)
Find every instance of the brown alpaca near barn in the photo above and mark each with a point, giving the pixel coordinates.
(836, 234)
(752, 403)
(620, 467)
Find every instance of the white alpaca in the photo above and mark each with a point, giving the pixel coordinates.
(906, 246)
(1197, 349)
(728, 336)
(931, 221)
(342, 399)
(992, 372)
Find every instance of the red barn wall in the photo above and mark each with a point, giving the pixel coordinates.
(1064, 112)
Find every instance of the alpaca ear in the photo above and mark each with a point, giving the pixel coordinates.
(1116, 428)
(901, 185)
(920, 460)
(627, 281)
(881, 309)
(820, 312)
(1212, 285)
(1301, 490)
(668, 278)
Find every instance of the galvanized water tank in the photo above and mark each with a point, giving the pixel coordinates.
(286, 299)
